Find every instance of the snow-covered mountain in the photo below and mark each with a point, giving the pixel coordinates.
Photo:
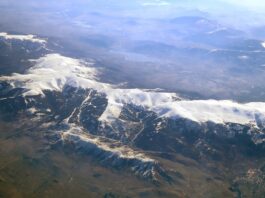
(117, 125)
(54, 72)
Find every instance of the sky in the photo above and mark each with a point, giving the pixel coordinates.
(250, 4)
(242, 13)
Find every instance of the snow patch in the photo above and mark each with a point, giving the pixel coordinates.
(243, 57)
(29, 37)
(217, 30)
(122, 152)
(112, 153)
(217, 111)
(52, 72)
(263, 44)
